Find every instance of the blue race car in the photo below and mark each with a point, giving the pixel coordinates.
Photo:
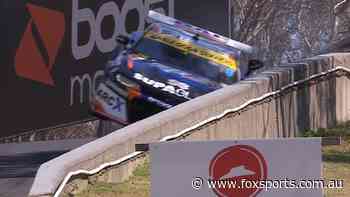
(169, 63)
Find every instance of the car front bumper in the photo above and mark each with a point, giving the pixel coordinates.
(125, 107)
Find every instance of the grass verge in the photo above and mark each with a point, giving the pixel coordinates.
(336, 165)
(137, 186)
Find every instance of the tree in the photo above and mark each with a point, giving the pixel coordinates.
(284, 30)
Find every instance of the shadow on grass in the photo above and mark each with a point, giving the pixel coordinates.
(341, 130)
(336, 156)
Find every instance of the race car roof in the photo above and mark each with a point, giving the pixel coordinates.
(155, 17)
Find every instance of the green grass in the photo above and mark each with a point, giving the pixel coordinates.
(336, 159)
(336, 165)
(342, 130)
(137, 186)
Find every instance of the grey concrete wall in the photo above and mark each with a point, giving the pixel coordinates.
(321, 105)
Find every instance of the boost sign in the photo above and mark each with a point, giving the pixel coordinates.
(245, 168)
(53, 53)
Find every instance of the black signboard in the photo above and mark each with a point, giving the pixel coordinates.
(53, 52)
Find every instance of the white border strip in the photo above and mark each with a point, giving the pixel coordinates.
(185, 131)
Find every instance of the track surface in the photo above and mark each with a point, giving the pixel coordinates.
(19, 163)
(15, 187)
(24, 165)
(17, 172)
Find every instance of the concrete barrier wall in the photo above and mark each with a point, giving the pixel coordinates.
(321, 105)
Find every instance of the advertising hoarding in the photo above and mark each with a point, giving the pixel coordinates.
(53, 53)
(237, 168)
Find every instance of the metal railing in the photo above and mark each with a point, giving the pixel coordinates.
(40, 134)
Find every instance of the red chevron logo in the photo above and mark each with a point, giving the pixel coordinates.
(39, 45)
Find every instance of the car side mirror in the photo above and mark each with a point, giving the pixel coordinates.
(255, 65)
(123, 40)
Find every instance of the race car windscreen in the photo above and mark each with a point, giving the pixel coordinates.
(188, 54)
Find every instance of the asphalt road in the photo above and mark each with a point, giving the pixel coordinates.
(24, 165)
(17, 172)
(19, 163)
(15, 187)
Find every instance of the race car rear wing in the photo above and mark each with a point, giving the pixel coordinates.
(155, 17)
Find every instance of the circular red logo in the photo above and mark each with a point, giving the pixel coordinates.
(240, 166)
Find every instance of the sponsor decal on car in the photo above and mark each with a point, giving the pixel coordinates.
(112, 103)
(164, 87)
(178, 84)
(192, 49)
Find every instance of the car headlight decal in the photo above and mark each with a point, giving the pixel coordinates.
(130, 63)
(127, 82)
